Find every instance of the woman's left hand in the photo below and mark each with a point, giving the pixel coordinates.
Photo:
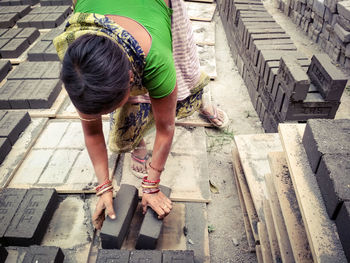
(158, 202)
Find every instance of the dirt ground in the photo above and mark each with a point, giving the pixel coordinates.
(228, 240)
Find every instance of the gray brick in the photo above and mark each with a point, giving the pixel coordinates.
(250, 31)
(343, 22)
(343, 225)
(259, 47)
(114, 231)
(3, 254)
(14, 48)
(112, 255)
(5, 148)
(5, 67)
(29, 33)
(326, 77)
(151, 256)
(325, 137)
(44, 254)
(266, 75)
(245, 7)
(176, 256)
(53, 70)
(21, 11)
(19, 99)
(32, 218)
(272, 77)
(8, 20)
(52, 34)
(25, 21)
(30, 70)
(342, 33)
(11, 33)
(151, 227)
(38, 20)
(36, 53)
(45, 94)
(53, 20)
(10, 199)
(6, 92)
(13, 124)
(51, 53)
(333, 178)
(344, 9)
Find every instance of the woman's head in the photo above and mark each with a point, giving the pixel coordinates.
(96, 74)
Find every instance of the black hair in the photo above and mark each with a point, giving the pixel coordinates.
(95, 73)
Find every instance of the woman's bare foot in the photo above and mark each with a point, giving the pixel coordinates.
(215, 115)
(139, 160)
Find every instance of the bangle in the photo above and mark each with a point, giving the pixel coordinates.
(89, 120)
(150, 191)
(145, 180)
(155, 169)
(109, 188)
(103, 185)
(149, 186)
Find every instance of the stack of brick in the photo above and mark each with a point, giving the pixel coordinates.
(55, 2)
(18, 2)
(326, 22)
(274, 71)
(327, 145)
(9, 15)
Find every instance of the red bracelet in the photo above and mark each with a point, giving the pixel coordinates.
(108, 182)
(149, 181)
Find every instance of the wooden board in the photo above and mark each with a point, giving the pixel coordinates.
(200, 11)
(187, 162)
(259, 254)
(247, 227)
(264, 243)
(253, 150)
(20, 150)
(204, 1)
(289, 207)
(275, 250)
(207, 60)
(247, 198)
(59, 159)
(321, 231)
(204, 32)
(281, 231)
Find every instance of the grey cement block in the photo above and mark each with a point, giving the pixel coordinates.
(174, 256)
(37, 52)
(5, 148)
(344, 9)
(45, 94)
(44, 254)
(114, 231)
(112, 255)
(343, 225)
(21, 10)
(52, 34)
(325, 137)
(29, 33)
(343, 22)
(51, 53)
(8, 20)
(342, 33)
(29, 224)
(5, 67)
(151, 227)
(14, 48)
(38, 20)
(11, 33)
(3, 254)
(333, 178)
(13, 124)
(52, 71)
(10, 200)
(286, 47)
(326, 77)
(151, 256)
(54, 20)
(6, 92)
(19, 99)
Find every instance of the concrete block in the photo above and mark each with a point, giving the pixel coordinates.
(54, 20)
(27, 70)
(294, 78)
(46, 93)
(52, 71)
(3, 254)
(269, 65)
(38, 20)
(272, 79)
(10, 199)
(342, 33)
(11, 33)
(29, 224)
(44, 254)
(343, 8)
(29, 33)
(13, 124)
(333, 178)
(5, 148)
(8, 20)
(319, 8)
(52, 34)
(114, 231)
(343, 225)
(19, 99)
(323, 136)
(36, 53)
(343, 22)
(51, 54)
(5, 67)
(112, 255)
(174, 256)
(26, 21)
(137, 256)
(258, 48)
(151, 227)
(6, 92)
(14, 48)
(326, 77)
(21, 10)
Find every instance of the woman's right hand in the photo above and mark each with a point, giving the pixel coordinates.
(158, 202)
(104, 205)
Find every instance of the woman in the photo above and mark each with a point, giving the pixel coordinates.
(114, 52)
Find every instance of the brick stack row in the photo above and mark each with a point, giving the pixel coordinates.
(326, 22)
(327, 145)
(280, 80)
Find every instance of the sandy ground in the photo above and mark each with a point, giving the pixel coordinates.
(228, 240)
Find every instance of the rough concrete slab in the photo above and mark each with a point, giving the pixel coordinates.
(203, 32)
(112, 255)
(200, 11)
(49, 254)
(321, 232)
(207, 60)
(145, 256)
(172, 256)
(188, 153)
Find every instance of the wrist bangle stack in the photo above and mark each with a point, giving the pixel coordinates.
(104, 188)
(150, 187)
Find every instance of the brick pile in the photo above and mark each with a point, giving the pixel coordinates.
(327, 145)
(9, 15)
(326, 22)
(279, 78)
(18, 2)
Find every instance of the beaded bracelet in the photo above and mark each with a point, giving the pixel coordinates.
(155, 169)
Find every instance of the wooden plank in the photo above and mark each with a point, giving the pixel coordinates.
(247, 227)
(253, 150)
(275, 250)
(321, 231)
(289, 207)
(200, 11)
(248, 202)
(264, 243)
(281, 231)
(207, 60)
(259, 254)
(204, 1)
(204, 32)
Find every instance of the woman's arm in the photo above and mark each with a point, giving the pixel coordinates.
(164, 115)
(95, 144)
